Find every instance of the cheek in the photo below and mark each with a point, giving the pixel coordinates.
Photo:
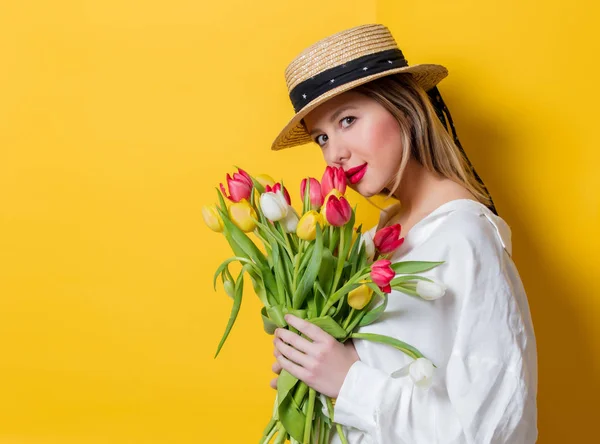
(385, 138)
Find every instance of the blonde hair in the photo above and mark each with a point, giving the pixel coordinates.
(423, 134)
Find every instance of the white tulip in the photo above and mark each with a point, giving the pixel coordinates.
(273, 206)
(367, 241)
(430, 290)
(420, 371)
(290, 222)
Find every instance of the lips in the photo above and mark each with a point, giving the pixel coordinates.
(354, 175)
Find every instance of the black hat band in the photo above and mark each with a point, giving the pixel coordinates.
(308, 90)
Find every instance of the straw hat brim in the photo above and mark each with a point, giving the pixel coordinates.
(293, 134)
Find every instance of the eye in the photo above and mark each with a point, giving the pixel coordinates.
(349, 120)
(324, 139)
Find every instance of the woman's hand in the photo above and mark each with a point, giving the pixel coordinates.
(322, 364)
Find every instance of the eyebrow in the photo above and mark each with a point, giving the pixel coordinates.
(335, 116)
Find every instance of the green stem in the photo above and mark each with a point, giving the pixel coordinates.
(300, 393)
(281, 435)
(309, 416)
(341, 261)
(348, 318)
(355, 321)
(297, 264)
(338, 294)
(337, 426)
(272, 430)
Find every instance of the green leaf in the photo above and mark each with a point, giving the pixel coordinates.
(224, 265)
(306, 256)
(413, 266)
(259, 288)
(399, 279)
(237, 302)
(375, 313)
(257, 185)
(329, 325)
(276, 313)
(241, 239)
(268, 325)
(402, 346)
(311, 272)
(289, 413)
(326, 270)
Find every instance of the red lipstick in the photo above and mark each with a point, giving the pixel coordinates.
(354, 175)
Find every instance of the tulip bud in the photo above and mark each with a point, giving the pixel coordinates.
(307, 225)
(333, 178)
(369, 245)
(229, 288)
(243, 215)
(273, 205)
(212, 218)
(265, 180)
(360, 297)
(333, 192)
(316, 198)
(290, 222)
(388, 239)
(430, 290)
(337, 211)
(277, 187)
(420, 371)
(382, 274)
(240, 186)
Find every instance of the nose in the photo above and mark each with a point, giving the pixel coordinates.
(337, 153)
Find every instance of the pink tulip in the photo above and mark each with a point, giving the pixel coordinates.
(337, 211)
(277, 187)
(240, 186)
(382, 274)
(316, 198)
(333, 178)
(388, 239)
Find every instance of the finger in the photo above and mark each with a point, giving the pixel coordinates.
(273, 383)
(291, 353)
(293, 369)
(297, 341)
(276, 367)
(309, 329)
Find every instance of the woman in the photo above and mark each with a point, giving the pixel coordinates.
(383, 122)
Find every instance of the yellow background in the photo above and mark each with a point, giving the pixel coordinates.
(118, 119)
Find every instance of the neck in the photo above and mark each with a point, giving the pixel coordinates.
(420, 189)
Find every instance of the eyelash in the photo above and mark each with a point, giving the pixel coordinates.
(341, 120)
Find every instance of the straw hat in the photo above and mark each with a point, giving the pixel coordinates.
(341, 62)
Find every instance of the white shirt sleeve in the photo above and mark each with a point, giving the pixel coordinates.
(485, 383)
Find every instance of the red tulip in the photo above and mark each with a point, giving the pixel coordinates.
(382, 274)
(316, 198)
(388, 239)
(333, 178)
(337, 211)
(277, 187)
(240, 186)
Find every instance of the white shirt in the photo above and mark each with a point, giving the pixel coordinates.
(479, 335)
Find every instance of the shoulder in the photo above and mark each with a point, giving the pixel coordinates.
(472, 226)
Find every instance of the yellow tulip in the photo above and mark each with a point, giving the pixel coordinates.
(307, 225)
(242, 214)
(333, 192)
(264, 180)
(212, 218)
(360, 297)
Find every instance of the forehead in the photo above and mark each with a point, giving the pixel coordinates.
(324, 110)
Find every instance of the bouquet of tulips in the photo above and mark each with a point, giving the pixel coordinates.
(314, 265)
